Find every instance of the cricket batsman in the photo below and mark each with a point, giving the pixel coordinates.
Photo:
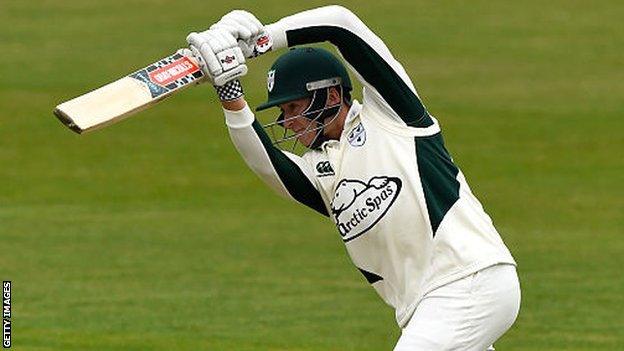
(378, 169)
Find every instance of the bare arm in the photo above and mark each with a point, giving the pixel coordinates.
(235, 105)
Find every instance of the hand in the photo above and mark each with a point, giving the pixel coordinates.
(218, 54)
(241, 24)
(248, 30)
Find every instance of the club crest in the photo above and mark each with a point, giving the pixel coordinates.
(357, 206)
(357, 136)
(271, 80)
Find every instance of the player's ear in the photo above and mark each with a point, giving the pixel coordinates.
(334, 96)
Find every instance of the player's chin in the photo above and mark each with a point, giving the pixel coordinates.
(305, 141)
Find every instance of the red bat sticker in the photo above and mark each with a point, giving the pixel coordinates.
(173, 71)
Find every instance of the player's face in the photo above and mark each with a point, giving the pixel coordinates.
(305, 128)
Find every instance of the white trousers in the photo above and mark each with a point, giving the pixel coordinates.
(466, 315)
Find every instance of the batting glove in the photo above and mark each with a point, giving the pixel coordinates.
(241, 24)
(219, 55)
(248, 30)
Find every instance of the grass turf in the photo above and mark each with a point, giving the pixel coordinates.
(152, 234)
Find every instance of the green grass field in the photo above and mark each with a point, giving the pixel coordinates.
(153, 235)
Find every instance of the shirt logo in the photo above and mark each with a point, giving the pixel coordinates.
(324, 169)
(358, 206)
(271, 80)
(357, 136)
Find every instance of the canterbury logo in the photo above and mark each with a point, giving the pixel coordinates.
(324, 169)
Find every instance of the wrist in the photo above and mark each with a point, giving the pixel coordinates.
(237, 119)
(230, 91)
(234, 105)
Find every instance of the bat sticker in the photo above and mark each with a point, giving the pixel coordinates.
(168, 74)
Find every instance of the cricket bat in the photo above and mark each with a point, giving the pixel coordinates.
(130, 94)
(139, 90)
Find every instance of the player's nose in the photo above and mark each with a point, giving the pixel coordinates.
(289, 121)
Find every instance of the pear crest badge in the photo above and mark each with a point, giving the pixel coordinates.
(271, 80)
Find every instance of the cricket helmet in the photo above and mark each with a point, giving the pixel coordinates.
(301, 73)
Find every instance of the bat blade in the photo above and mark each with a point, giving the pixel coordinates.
(130, 94)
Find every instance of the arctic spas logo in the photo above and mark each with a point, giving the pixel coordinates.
(358, 206)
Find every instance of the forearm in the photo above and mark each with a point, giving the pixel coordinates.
(286, 174)
(240, 127)
(365, 52)
(337, 25)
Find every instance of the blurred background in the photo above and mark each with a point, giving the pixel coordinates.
(152, 234)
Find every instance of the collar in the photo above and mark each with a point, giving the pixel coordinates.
(355, 109)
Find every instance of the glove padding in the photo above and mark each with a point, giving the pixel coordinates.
(248, 30)
(241, 24)
(218, 54)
